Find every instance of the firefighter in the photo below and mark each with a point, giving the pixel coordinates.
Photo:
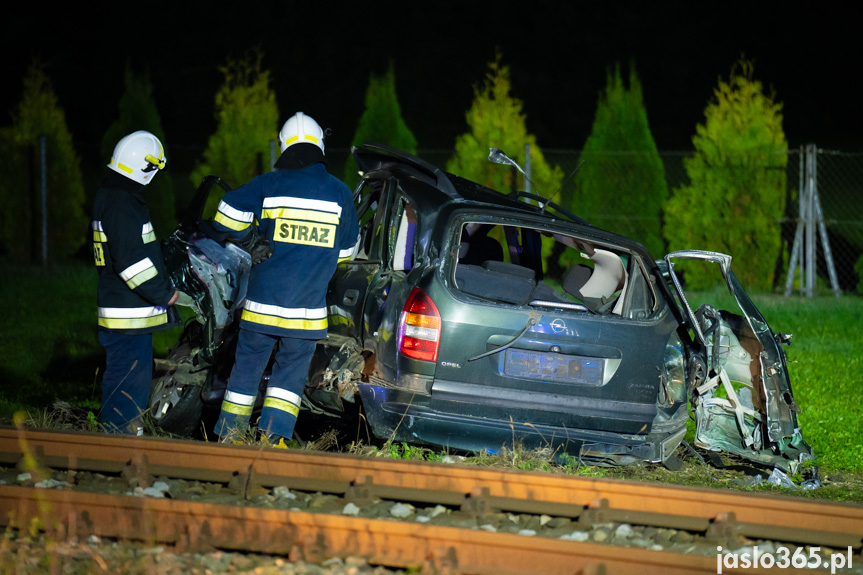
(309, 220)
(134, 292)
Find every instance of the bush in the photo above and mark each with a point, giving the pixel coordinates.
(381, 122)
(736, 194)
(247, 118)
(496, 120)
(38, 114)
(621, 184)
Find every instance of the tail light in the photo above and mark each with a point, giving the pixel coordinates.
(420, 327)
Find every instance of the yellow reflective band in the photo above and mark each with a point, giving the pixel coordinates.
(147, 233)
(302, 324)
(281, 405)
(124, 167)
(297, 214)
(140, 277)
(133, 323)
(286, 312)
(145, 275)
(293, 139)
(341, 320)
(230, 223)
(233, 408)
(99, 254)
(158, 162)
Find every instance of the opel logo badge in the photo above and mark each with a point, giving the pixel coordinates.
(558, 326)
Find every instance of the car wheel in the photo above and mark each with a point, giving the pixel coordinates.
(175, 402)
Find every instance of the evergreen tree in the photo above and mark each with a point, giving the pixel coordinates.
(137, 111)
(381, 122)
(737, 183)
(496, 120)
(247, 118)
(38, 114)
(621, 182)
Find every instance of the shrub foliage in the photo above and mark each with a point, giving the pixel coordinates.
(381, 122)
(247, 123)
(495, 120)
(737, 182)
(38, 115)
(621, 184)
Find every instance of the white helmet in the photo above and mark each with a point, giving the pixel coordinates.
(301, 129)
(138, 156)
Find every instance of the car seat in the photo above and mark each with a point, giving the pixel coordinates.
(599, 287)
(479, 248)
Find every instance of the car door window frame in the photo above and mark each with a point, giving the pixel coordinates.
(373, 231)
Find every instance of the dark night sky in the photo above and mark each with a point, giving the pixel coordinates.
(320, 56)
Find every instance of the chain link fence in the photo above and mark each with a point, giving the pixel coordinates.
(837, 179)
(832, 236)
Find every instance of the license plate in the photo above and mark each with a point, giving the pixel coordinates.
(554, 367)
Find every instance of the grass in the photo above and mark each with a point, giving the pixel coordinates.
(49, 352)
(826, 366)
(48, 338)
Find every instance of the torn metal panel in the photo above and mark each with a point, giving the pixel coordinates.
(746, 406)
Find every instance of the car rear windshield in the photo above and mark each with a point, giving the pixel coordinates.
(521, 265)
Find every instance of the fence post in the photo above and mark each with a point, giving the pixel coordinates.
(795, 262)
(44, 175)
(804, 253)
(825, 242)
(811, 253)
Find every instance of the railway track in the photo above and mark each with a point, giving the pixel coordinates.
(718, 520)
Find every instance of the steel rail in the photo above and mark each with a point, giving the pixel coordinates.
(194, 526)
(723, 513)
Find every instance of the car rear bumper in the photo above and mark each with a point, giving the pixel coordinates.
(410, 417)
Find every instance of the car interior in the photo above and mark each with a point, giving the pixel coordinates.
(515, 275)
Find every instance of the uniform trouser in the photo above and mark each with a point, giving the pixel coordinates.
(284, 390)
(126, 381)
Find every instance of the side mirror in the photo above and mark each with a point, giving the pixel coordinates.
(498, 157)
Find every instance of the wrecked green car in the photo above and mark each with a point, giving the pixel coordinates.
(452, 327)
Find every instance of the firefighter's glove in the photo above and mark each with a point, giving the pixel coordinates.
(260, 252)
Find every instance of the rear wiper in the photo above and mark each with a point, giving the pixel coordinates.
(530, 323)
